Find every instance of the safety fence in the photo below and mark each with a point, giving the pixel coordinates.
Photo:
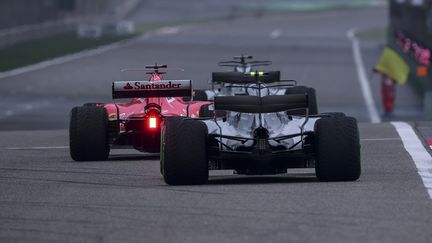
(410, 34)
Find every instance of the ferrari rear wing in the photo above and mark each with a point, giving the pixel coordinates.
(148, 89)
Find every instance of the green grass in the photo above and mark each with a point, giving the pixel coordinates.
(298, 5)
(376, 34)
(31, 52)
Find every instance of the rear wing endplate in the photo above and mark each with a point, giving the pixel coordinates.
(148, 89)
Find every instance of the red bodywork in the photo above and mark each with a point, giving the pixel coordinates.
(138, 122)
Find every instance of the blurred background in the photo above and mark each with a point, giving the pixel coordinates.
(56, 54)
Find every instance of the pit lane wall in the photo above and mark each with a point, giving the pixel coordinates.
(410, 35)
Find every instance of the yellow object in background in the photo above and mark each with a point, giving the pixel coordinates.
(392, 65)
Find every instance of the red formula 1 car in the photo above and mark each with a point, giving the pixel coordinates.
(94, 127)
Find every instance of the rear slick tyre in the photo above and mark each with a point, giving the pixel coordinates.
(312, 100)
(200, 95)
(88, 134)
(183, 154)
(338, 149)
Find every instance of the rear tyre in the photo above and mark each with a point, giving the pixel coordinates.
(334, 114)
(204, 111)
(88, 133)
(198, 95)
(312, 100)
(338, 149)
(183, 153)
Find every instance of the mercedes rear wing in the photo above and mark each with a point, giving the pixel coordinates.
(246, 78)
(148, 89)
(266, 104)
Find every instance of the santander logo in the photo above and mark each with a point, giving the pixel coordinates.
(131, 86)
(156, 85)
(128, 86)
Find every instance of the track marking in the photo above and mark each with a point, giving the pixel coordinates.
(275, 34)
(169, 30)
(66, 58)
(18, 109)
(88, 53)
(362, 77)
(429, 142)
(379, 139)
(8, 113)
(37, 148)
(418, 153)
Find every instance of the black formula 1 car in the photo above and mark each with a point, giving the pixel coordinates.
(221, 82)
(255, 135)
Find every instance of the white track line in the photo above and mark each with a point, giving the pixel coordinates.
(37, 148)
(88, 53)
(275, 34)
(362, 77)
(66, 58)
(379, 139)
(418, 153)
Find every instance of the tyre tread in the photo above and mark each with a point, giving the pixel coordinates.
(184, 152)
(338, 149)
(88, 133)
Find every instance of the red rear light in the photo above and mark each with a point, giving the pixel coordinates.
(152, 117)
(152, 122)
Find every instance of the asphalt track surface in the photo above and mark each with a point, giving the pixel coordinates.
(45, 196)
